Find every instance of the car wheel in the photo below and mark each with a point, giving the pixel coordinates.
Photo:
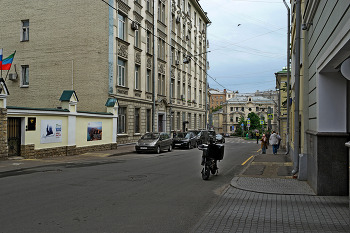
(158, 150)
(223, 140)
(189, 146)
(170, 148)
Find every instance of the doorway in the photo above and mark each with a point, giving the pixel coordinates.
(14, 136)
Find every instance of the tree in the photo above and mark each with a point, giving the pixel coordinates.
(254, 121)
(217, 108)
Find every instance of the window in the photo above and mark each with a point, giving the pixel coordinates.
(178, 121)
(172, 88)
(159, 84)
(121, 25)
(148, 42)
(161, 49)
(137, 38)
(121, 120)
(183, 89)
(163, 84)
(172, 120)
(183, 6)
(173, 22)
(221, 97)
(242, 108)
(161, 11)
(148, 5)
(184, 32)
(200, 96)
(231, 109)
(231, 118)
(200, 121)
(257, 109)
(172, 56)
(200, 24)
(148, 81)
(137, 78)
(236, 119)
(195, 121)
(178, 90)
(189, 92)
(189, 121)
(195, 18)
(148, 120)
(189, 9)
(137, 120)
(121, 72)
(25, 75)
(25, 30)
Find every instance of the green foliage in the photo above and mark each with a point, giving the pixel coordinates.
(254, 121)
(217, 108)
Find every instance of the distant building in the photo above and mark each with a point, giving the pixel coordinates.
(242, 105)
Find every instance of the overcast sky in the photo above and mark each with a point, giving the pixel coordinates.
(245, 57)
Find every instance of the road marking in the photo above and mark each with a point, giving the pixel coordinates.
(247, 160)
(259, 150)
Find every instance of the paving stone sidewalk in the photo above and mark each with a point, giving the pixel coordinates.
(245, 211)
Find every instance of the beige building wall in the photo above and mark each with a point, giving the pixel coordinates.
(68, 42)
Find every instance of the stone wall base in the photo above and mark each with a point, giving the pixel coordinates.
(3, 134)
(29, 152)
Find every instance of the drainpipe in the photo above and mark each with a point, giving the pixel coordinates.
(153, 71)
(297, 86)
(170, 64)
(288, 76)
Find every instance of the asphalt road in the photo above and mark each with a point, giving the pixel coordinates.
(129, 193)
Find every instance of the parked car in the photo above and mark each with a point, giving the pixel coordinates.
(187, 140)
(227, 135)
(203, 137)
(154, 142)
(219, 138)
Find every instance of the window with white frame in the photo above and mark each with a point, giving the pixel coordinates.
(25, 30)
(121, 25)
(121, 72)
(122, 120)
(148, 5)
(137, 120)
(189, 92)
(25, 75)
(137, 77)
(200, 24)
(183, 6)
(231, 118)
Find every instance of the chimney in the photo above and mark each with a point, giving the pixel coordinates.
(225, 91)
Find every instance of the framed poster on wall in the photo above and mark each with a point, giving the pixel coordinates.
(94, 131)
(51, 131)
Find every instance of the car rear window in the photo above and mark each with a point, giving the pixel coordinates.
(150, 136)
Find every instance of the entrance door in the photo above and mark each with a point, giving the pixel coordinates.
(14, 136)
(160, 123)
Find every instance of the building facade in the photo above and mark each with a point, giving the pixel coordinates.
(321, 124)
(242, 105)
(132, 51)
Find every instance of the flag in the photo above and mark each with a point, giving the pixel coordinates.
(7, 62)
(0, 59)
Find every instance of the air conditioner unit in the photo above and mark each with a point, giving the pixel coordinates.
(177, 62)
(13, 77)
(134, 25)
(178, 19)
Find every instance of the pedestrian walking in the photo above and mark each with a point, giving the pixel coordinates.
(279, 140)
(263, 144)
(257, 137)
(268, 137)
(274, 142)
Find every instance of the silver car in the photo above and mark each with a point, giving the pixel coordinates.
(154, 142)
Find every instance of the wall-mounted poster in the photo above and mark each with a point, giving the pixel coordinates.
(94, 131)
(51, 131)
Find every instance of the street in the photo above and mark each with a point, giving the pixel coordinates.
(129, 193)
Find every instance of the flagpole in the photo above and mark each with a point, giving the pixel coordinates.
(10, 66)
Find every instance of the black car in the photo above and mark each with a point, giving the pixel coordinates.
(203, 137)
(187, 140)
(154, 142)
(219, 138)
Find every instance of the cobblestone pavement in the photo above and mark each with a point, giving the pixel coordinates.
(238, 210)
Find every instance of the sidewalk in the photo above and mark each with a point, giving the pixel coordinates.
(265, 198)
